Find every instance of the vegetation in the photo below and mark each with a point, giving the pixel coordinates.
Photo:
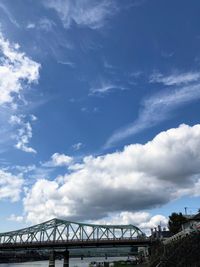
(175, 222)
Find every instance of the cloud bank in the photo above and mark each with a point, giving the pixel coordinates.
(137, 178)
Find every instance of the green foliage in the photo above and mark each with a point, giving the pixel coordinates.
(175, 222)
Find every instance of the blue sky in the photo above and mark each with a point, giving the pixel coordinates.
(99, 110)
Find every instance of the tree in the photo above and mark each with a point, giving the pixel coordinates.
(175, 222)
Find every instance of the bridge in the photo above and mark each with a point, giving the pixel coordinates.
(58, 236)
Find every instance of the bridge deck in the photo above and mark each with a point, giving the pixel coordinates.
(77, 244)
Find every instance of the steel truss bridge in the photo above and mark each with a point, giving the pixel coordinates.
(60, 234)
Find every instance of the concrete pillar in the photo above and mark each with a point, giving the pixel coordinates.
(52, 260)
(66, 259)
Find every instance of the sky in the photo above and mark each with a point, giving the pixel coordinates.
(99, 111)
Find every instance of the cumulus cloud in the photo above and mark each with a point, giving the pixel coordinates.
(153, 222)
(10, 186)
(24, 132)
(16, 70)
(130, 180)
(144, 220)
(86, 13)
(157, 108)
(61, 159)
(58, 160)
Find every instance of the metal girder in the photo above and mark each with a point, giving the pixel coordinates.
(61, 230)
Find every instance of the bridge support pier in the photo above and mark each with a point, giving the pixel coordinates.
(66, 259)
(52, 260)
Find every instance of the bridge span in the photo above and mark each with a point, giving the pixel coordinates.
(58, 235)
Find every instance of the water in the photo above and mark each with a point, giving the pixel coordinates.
(72, 263)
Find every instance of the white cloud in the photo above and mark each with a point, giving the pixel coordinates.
(31, 25)
(58, 160)
(33, 117)
(24, 132)
(105, 87)
(61, 159)
(86, 13)
(16, 218)
(126, 181)
(10, 186)
(67, 63)
(16, 69)
(154, 221)
(108, 66)
(9, 15)
(156, 109)
(44, 24)
(142, 219)
(77, 146)
(17, 73)
(175, 78)
(136, 74)
(25, 169)
(125, 217)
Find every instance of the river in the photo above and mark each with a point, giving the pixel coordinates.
(72, 263)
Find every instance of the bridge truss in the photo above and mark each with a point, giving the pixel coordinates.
(57, 230)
